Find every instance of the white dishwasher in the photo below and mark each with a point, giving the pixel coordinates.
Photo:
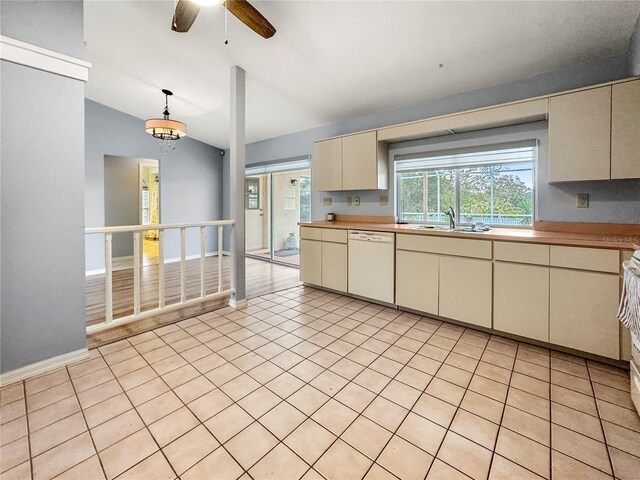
(371, 265)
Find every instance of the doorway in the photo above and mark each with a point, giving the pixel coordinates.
(150, 210)
(274, 204)
(132, 197)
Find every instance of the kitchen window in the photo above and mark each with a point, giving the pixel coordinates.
(492, 184)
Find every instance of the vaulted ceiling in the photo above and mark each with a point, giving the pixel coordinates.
(334, 60)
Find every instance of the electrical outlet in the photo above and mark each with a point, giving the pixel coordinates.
(327, 201)
(356, 201)
(349, 201)
(384, 200)
(582, 200)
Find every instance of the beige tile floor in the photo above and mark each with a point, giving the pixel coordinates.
(309, 384)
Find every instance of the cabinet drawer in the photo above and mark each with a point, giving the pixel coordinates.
(310, 233)
(521, 252)
(460, 247)
(334, 235)
(594, 259)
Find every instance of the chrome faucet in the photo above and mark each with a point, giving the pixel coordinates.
(452, 218)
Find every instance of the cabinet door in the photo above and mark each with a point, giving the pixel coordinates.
(334, 266)
(327, 165)
(311, 261)
(625, 130)
(359, 161)
(417, 281)
(580, 136)
(582, 311)
(465, 290)
(521, 300)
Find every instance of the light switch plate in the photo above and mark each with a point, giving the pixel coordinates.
(384, 200)
(349, 201)
(327, 201)
(356, 201)
(582, 200)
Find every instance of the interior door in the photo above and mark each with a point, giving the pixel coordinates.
(256, 220)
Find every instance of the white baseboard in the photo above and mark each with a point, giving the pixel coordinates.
(100, 271)
(43, 366)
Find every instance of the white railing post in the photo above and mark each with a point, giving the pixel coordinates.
(203, 240)
(160, 268)
(183, 258)
(220, 258)
(108, 269)
(136, 273)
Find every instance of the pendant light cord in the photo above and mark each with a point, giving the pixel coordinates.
(226, 36)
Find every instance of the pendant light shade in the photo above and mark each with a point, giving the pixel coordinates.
(165, 130)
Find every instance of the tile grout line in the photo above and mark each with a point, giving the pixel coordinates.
(26, 416)
(145, 426)
(604, 435)
(88, 430)
(448, 429)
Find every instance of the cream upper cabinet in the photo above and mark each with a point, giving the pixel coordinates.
(311, 261)
(580, 136)
(364, 167)
(465, 290)
(521, 300)
(352, 162)
(582, 311)
(417, 281)
(625, 130)
(327, 165)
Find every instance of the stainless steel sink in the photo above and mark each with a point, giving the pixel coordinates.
(443, 228)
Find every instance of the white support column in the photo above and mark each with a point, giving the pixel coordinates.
(236, 185)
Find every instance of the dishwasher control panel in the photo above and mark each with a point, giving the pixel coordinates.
(366, 236)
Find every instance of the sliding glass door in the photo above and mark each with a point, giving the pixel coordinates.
(274, 204)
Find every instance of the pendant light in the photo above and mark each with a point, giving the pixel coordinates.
(165, 130)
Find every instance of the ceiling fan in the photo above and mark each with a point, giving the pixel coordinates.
(187, 11)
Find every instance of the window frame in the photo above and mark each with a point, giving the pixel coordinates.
(457, 206)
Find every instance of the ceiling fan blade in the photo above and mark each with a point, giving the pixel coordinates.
(184, 16)
(251, 17)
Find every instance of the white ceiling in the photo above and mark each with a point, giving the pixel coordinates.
(334, 60)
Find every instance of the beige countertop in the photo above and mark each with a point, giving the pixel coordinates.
(504, 234)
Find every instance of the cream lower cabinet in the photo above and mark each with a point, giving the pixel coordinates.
(417, 281)
(323, 257)
(465, 290)
(521, 300)
(582, 311)
(334, 266)
(311, 261)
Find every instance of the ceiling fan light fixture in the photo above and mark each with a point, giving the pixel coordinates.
(165, 130)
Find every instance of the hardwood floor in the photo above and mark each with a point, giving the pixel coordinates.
(261, 278)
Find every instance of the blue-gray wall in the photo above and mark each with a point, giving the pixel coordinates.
(190, 179)
(609, 201)
(42, 176)
(634, 51)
